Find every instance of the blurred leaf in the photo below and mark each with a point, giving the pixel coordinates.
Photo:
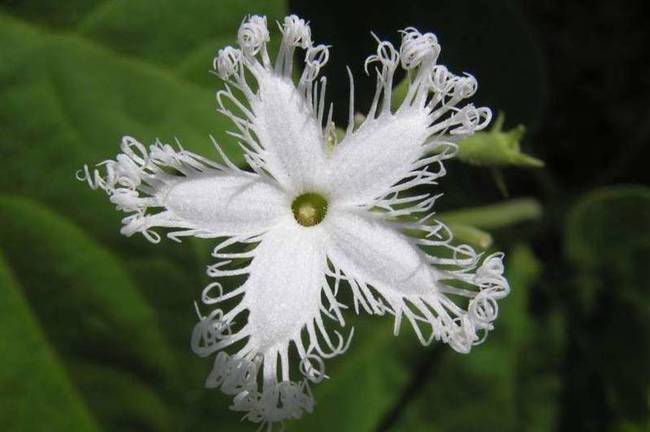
(364, 383)
(67, 102)
(484, 389)
(606, 224)
(165, 285)
(121, 401)
(184, 43)
(608, 240)
(608, 231)
(90, 305)
(36, 394)
(186, 38)
(52, 14)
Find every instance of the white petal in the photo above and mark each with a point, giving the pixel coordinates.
(225, 204)
(382, 152)
(382, 264)
(280, 126)
(371, 250)
(282, 296)
(191, 194)
(284, 286)
(392, 152)
(289, 132)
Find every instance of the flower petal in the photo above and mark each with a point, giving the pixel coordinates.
(197, 196)
(375, 257)
(382, 152)
(284, 286)
(394, 151)
(282, 296)
(280, 128)
(371, 250)
(289, 132)
(223, 204)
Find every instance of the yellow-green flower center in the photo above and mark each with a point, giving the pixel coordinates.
(309, 209)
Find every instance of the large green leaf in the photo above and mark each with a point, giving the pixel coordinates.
(67, 102)
(185, 42)
(165, 285)
(120, 400)
(36, 393)
(52, 14)
(90, 306)
(67, 99)
(180, 37)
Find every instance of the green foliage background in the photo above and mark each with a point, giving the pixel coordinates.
(94, 327)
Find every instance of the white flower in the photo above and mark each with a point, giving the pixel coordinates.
(313, 219)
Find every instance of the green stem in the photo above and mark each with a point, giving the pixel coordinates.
(465, 234)
(495, 215)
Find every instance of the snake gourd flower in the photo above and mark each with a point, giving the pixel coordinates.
(304, 221)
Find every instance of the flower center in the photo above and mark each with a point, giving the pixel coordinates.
(309, 209)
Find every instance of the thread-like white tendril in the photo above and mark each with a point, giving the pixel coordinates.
(253, 35)
(227, 62)
(296, 32)
(137, 179)
(417, 48)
